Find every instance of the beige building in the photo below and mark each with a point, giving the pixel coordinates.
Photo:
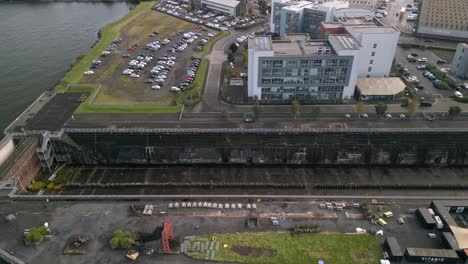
(447, 18)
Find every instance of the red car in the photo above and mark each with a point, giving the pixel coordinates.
(131, 48)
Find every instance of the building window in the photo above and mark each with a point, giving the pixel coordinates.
(369, 69)
(371, 62)
(367, 76)
(373, 54)
(375, 45)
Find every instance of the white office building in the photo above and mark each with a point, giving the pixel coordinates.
(325, 70)
(228, 7)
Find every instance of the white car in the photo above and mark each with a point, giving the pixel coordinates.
(422, 60)
(88, 72)
(457, 94)
(175, 89)
(388, 116)
(134, 75)
(402, 116)
(127, 72)
(156, 87)
(364, 116)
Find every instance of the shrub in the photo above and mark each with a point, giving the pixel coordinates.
(454, 110)
(35, 235)
(121, 239)
(37, 185)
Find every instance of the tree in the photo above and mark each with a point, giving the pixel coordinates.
(189, 6)
(454, 111)
(263, 6)
(121, 239)
(234, 72)
(245, 57)
(233, 48)
(315, 111)
(360, 108)
(295, 108)
(231, 57)
(257, 109)
(412, 107)
(380, 109)
(226, 114)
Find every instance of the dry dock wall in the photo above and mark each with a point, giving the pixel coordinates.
(257, 146)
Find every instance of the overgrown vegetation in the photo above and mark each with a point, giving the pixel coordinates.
(454, 111)
(192, 94)
(37, 185)
(121, 240)
(35, 236)
(297, 248)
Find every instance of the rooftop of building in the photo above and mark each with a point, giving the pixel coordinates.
(354, 10)
(230, 3)
(343, 42)
(294, 45)
(448, 14)
(300, 5)
(360, 24)
(380, 86)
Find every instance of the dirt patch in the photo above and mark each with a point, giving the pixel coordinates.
(254, 252)
(363, 255)
(319, 254)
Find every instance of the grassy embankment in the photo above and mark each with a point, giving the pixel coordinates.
(272, 247)
(108, 34)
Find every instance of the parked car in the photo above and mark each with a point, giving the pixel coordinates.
(175, 89)
(422, 60)
(425, 103)
(441, 61)
(421, 67)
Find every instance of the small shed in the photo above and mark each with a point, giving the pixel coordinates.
(382, 89)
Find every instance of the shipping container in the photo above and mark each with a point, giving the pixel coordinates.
(393, 248)
(425, 218)
(430, 255)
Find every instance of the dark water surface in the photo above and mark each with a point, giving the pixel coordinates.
(39, 41)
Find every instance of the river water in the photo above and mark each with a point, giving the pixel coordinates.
(39, 41)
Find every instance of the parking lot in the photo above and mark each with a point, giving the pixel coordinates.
(208, 18)
(152, 58)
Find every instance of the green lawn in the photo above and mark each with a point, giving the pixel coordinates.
(305, 248)
(87, 107)
(108, 34)
(444, 54)
(196, 87)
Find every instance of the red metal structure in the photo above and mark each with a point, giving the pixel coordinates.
(167, 234)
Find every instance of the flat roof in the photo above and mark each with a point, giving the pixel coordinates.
(230, 3)
(432, 252)
(261, 43)
(373, 29)
(394, 247)
(343, 42)
(380, 86)
(450, 240)
(426, 215)
(355, 10)
(446, 14)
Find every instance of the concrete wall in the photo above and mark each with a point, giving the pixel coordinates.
(321, 147)
(26, 166)
(7, 146)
